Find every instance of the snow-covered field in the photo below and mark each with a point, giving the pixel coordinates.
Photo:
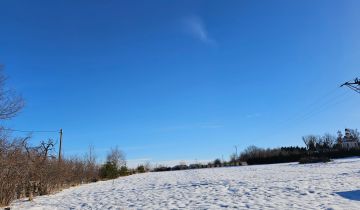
(334, 185)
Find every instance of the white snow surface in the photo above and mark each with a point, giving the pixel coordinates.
(334, 185)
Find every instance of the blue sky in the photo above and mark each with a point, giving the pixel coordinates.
(181, 80)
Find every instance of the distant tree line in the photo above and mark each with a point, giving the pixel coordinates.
(317, 149)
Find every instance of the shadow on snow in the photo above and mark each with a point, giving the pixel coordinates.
(352, 195)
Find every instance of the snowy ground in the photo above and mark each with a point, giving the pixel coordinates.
(334, 185)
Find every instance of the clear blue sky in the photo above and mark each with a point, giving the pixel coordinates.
(181, 80)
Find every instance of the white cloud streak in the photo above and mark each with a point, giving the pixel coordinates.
(253, 115)
(195, 26)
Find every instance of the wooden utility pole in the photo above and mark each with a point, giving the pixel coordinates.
(60, 145)
(236, 151)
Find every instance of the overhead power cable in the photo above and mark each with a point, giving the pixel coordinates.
(29, 131)
(354, 85)
(310, 108)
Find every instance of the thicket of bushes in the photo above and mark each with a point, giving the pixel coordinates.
(27, 171)
(314, 159)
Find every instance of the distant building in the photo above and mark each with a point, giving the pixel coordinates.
(349, 141)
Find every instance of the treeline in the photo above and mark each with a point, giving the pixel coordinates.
(251, 155)
(184, 166)
(317, 149)
(255, 155)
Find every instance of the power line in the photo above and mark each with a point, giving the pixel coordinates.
(29, 131)
(354, 85)
(39, 131)
(309, 109)
(321, 104)
(325, 106)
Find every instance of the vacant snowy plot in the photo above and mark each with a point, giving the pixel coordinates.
(334, 185)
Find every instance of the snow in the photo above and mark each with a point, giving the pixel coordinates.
(334, 185)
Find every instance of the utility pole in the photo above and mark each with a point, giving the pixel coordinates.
(60, 145)
(236, 151)
(354, 85)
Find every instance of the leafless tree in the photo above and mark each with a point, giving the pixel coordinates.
(339, 138)
(233, 158)
(355, 134)
(116, 157)
(10, 102)
(310, 141)
(90, 164)
(147, 166)
(328, 140)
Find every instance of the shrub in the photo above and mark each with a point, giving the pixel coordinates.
(217, 162)
(27, 171)
(179, 167)
(123, 171)
(140, 169)
(313, 159)
(109, 171)
(161, 168)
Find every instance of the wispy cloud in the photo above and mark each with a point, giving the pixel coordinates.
(195, 26)
(253, 115)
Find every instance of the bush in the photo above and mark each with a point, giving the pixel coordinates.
(123, 171)
(312, 159)
(217, 162)
(179, 167)
(196, 165)
(140, 169)
(27, 171)
(109, 171)
(161, 168)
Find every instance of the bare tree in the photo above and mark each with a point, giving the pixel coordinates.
(355, 134)
(233, 159)
(147, 166)
(10, 102)
(339, 138)
(328, 140)
(90, 164)
(310, 142)
(116, 157)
